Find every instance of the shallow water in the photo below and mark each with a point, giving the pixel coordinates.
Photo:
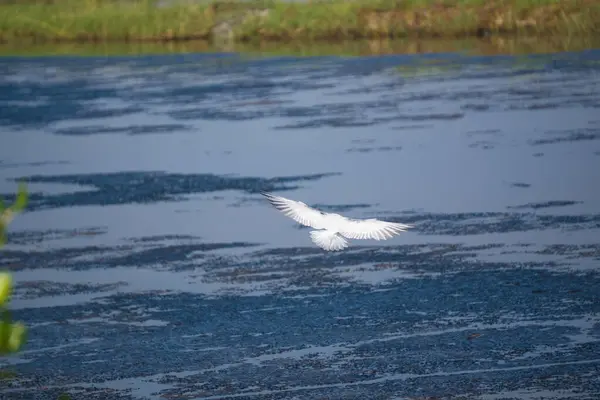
(149, 267)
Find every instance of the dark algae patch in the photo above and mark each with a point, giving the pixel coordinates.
(146, 187)
(148, 20)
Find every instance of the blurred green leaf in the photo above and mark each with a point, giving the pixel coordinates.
(12, 336)
(5, 286)
(18, 335)
(22, 198)
(5, 329)
(6, 317)
(8, 213)
(64, 396)
(4, 332)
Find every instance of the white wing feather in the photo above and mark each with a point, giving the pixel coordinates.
(298, 211)
(370, 229)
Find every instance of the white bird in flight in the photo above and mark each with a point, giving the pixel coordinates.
(332, 229)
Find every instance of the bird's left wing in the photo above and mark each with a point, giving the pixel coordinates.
(297, 210)
(371, 229)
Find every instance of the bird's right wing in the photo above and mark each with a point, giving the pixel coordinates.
(297, 210)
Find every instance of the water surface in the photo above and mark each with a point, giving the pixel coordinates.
(149, 267)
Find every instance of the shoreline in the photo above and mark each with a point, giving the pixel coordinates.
(147, 21)
(512, 46)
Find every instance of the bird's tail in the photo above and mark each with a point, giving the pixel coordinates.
(328, 240)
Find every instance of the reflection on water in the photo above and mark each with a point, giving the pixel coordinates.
(148, 266)
(514, 45)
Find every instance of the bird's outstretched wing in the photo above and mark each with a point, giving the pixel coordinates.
(297, 210)
(371, 229)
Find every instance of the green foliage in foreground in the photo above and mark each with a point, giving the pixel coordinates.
(12, 334)
(152, 20)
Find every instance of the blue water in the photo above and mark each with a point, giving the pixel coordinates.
(148, 266)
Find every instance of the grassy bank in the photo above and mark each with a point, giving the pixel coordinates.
(154, 20)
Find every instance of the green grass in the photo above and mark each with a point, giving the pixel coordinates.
(142, 20)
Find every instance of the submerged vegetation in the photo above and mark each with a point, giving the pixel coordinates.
(162, 20)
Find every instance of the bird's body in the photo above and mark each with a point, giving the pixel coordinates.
(333, 229)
